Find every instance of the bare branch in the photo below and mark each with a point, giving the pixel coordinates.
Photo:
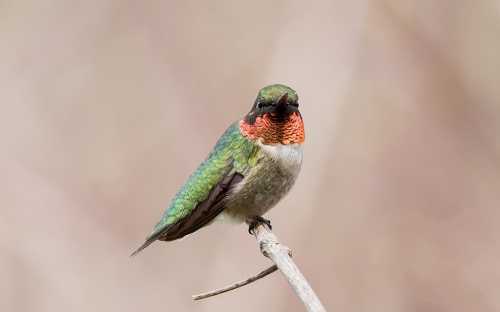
(236, 285)
(281, 256)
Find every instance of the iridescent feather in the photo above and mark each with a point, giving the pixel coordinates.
(202, 197)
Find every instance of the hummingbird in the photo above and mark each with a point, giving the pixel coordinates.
(251, 168)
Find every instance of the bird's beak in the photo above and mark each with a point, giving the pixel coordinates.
(282, 101)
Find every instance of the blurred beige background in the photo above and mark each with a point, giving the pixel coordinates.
(109, 105)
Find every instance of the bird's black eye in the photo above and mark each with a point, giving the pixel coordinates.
(263, 104)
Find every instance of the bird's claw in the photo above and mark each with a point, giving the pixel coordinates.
(255, 221)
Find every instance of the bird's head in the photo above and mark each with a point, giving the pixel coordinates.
(274, 117)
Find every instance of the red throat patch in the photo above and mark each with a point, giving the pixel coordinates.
(273, 131)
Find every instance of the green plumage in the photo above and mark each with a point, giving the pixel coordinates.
(232, 153)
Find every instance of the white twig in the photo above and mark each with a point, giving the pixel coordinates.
(281, 256)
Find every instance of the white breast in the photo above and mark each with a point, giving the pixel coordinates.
(288, 156)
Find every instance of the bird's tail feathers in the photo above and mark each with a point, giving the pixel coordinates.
(148, 242)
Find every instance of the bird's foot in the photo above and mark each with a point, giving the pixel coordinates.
(255, 221)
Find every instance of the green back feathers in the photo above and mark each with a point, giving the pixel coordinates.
(233, 152)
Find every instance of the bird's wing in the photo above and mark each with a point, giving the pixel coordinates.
(201, 198)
